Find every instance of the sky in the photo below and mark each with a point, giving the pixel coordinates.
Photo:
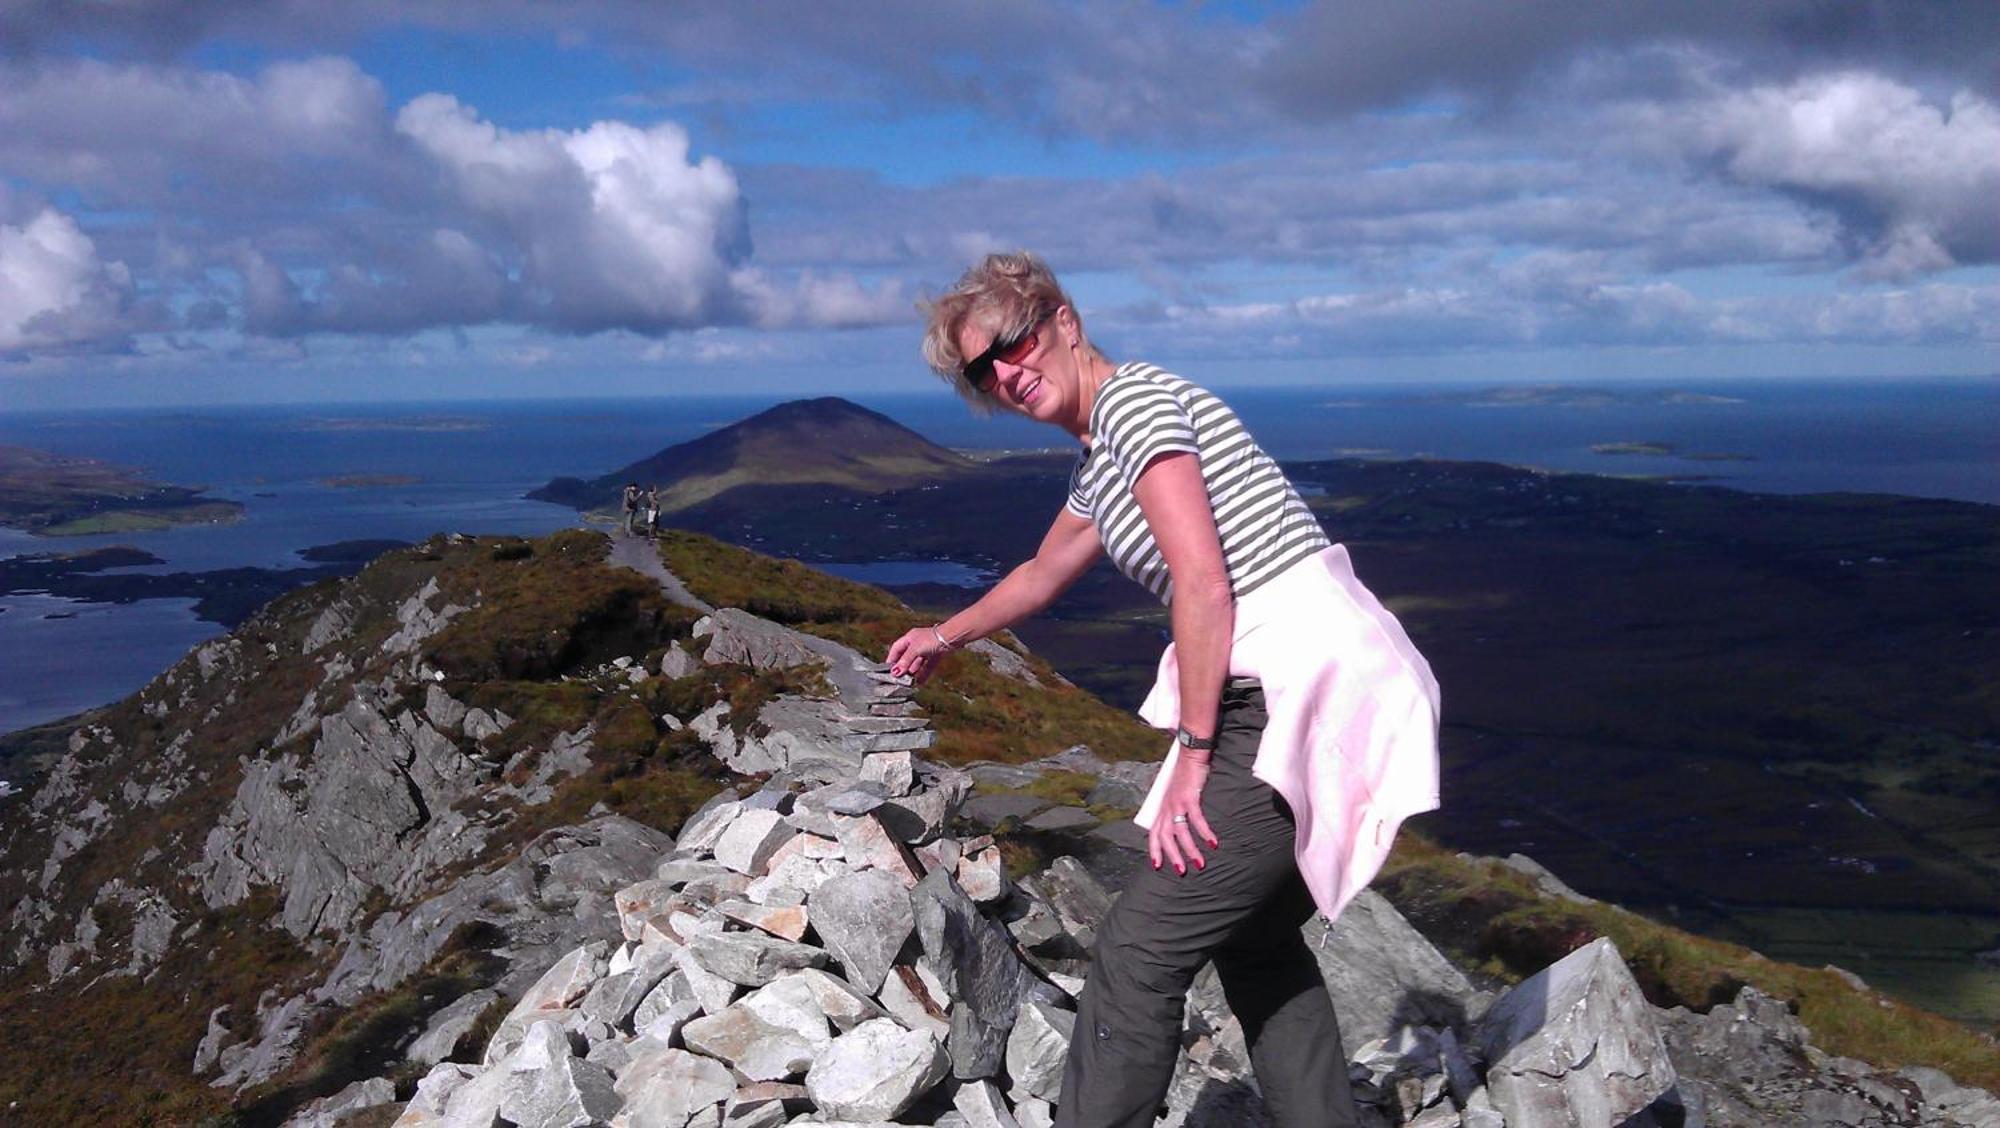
(224, 201)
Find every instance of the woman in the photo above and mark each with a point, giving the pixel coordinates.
(1305, 723)
(629, 501)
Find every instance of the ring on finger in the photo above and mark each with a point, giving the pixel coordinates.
(1180, 819)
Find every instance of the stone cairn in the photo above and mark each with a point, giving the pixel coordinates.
(820, 950)
(828, 955)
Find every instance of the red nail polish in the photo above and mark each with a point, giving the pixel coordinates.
(1182, 870)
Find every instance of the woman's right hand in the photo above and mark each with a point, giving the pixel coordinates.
(1179, 821)
(917, 654)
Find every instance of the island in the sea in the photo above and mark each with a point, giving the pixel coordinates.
(224, 595)
(1569, 395)
(61, 495)
(1667, 450)
(369, 481)
(431, 423)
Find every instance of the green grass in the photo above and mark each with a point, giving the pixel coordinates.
(978, 714)
(548, 610)
(366, 1039)
(116, 1050)
(1064, 787)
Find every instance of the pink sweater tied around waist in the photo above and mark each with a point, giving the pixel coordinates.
(1351, 742)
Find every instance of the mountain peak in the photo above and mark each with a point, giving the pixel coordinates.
(825, 441)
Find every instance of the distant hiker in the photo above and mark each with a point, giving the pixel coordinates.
(630, 501)
(653, 511)
(1305, 724)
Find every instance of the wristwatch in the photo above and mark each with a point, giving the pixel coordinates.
(1190, 740)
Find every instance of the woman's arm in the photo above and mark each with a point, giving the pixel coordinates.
(1174, 500)
(1067, 551)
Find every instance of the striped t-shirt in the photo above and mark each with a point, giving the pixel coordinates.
(1143, 412)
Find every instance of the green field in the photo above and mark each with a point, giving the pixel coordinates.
(1927, 957)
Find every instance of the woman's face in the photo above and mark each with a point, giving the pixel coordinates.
(1040, 383)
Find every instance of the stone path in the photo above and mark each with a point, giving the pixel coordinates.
(643, 555)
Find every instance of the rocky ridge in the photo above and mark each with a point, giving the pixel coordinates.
(367, 823)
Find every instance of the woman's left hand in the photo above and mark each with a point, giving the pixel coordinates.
(1175, 829)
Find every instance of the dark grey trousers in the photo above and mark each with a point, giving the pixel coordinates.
(1243, 911)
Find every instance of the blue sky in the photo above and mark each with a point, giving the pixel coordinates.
(434, 199)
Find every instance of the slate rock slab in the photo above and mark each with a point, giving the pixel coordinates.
(1079, 901)
(751, 838)
(980, 1104)
(864, 920)
(751, 959)
(844, 1006)
(567, 1093)
(1057, 819)
(563, 983)
(983, 876)
(427, 1104)
(706, 826)
(448, 1025)
(786, 922)
(866, 844)
(1574, 1045)
(1383, 974)
(712, 991)
(670, 1086)
(874, 1071)
(974, 957)
(751, 1044)
(1036, 1049)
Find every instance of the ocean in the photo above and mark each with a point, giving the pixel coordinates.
(466, 465)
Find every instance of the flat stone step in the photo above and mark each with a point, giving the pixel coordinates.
(1063, 818)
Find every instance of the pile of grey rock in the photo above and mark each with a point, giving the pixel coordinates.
(824, 953)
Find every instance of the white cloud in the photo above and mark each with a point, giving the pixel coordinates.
(206, 140)
(603, 227)
(713, 346)
(333, 214)
(54, 290)
(1914, 180)
(823, 301)
(300, 200)
(1528, 307)
(1216, 74)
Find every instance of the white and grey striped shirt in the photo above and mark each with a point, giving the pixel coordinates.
(1143, 412)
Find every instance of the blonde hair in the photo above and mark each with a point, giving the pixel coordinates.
(1008, 292)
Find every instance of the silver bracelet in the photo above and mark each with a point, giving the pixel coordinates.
(939, 635)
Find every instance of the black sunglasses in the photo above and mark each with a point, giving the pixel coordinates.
(979, 370)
